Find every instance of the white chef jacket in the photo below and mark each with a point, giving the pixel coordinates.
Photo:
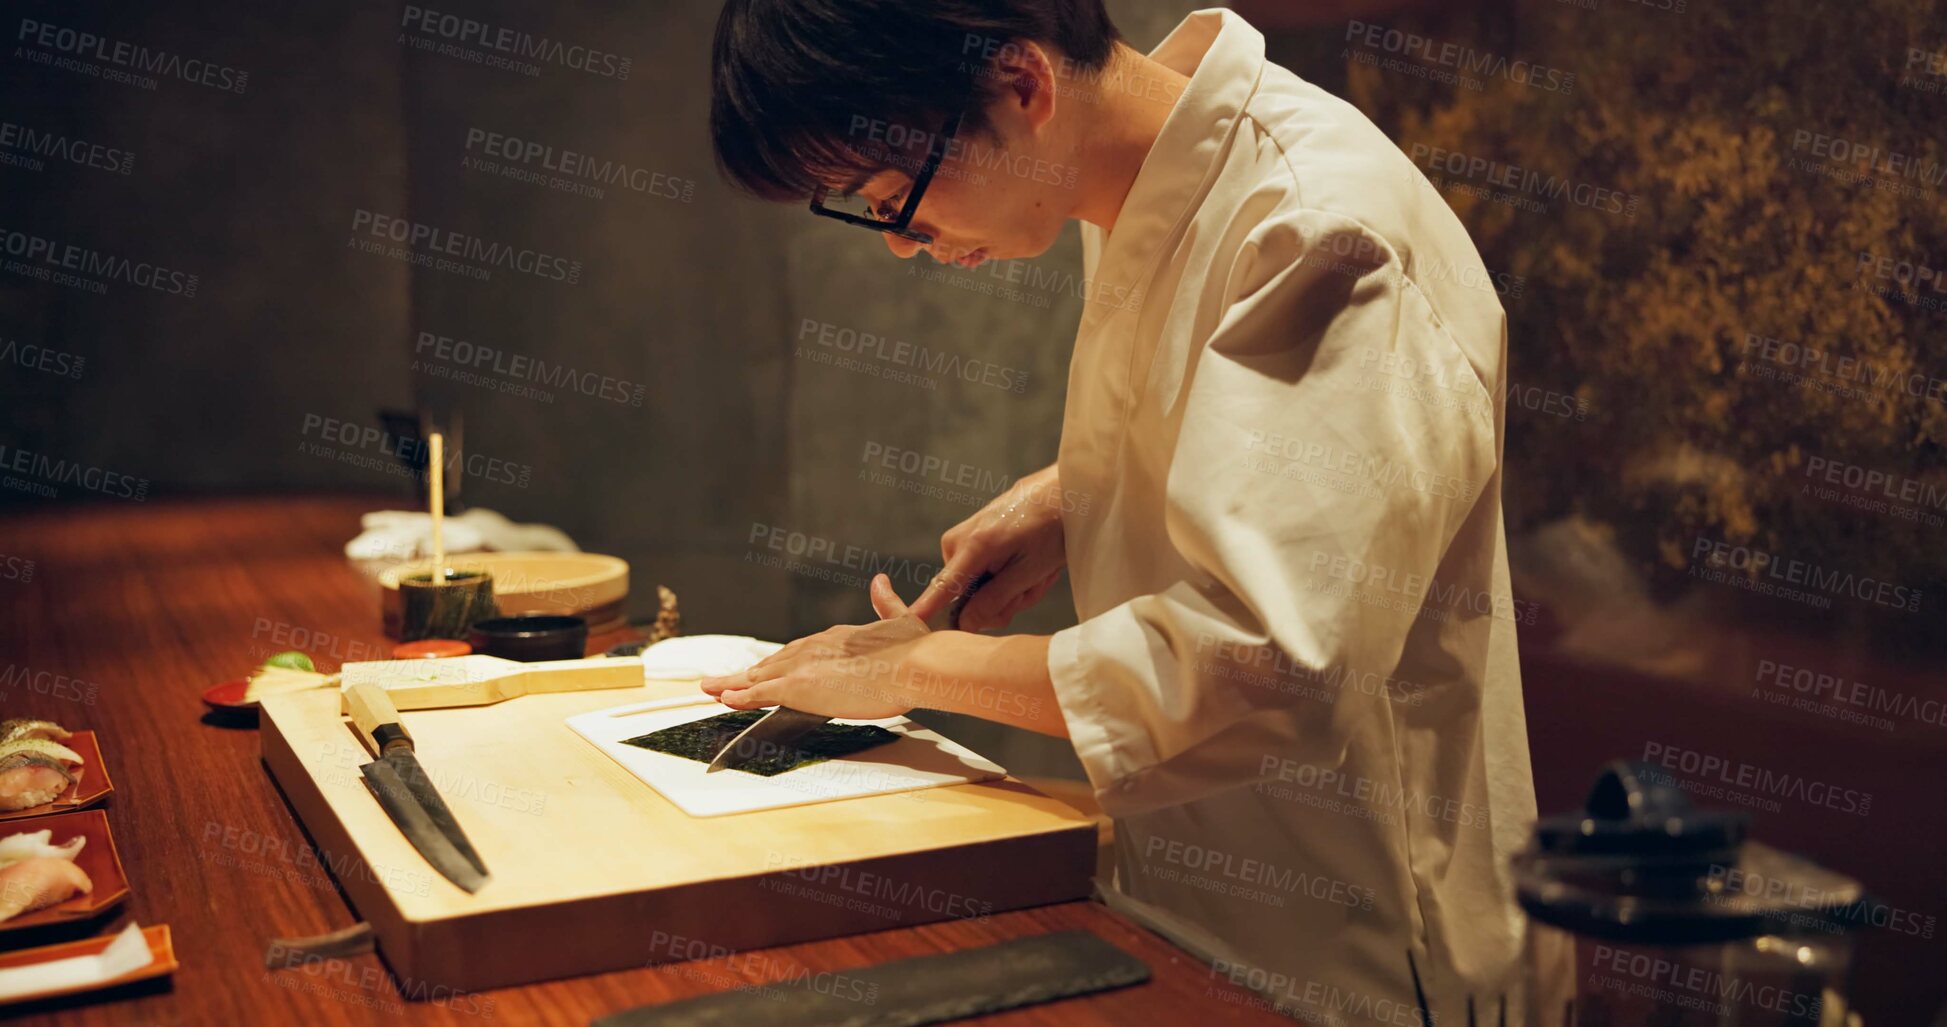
(1293, 683)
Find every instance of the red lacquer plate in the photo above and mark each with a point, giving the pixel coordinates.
(229, 696)
(98, 859)
(91, 786)
(162, 960)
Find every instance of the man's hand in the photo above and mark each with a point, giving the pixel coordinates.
(1017, 539)
(850, 670)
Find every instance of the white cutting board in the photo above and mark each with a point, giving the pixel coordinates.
(921, 758)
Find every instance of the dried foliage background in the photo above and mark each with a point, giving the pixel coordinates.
(1646, 318)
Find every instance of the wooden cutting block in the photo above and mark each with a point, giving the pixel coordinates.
(594, 871)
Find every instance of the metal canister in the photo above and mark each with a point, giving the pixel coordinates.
(1646, 912)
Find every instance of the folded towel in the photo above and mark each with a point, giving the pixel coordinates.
(703, 656)
(402, 535)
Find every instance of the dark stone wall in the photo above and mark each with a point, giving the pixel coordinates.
(632, 367)
(244, 188)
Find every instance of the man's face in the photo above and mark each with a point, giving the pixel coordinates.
(999, 194)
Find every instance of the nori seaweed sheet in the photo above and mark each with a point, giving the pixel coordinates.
(699, 740)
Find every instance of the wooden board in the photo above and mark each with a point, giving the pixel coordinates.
(594, 871)
(921, 758)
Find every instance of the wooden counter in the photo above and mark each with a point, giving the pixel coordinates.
(131, 610)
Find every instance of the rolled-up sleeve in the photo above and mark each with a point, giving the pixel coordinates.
(1332, 439)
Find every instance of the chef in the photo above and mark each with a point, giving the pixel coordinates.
(1293, 681)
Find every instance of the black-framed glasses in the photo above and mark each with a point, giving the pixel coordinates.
(899, 224)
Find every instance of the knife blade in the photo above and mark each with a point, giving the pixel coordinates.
(413, 822)
(407, 795)
(413, 773)
(776, 730)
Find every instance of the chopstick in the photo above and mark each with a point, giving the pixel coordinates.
(437, 465)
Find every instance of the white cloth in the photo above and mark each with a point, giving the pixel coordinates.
(1294, 682)
(703, 656)
(402, 535)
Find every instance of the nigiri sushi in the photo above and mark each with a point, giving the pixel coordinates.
(30, 779)
(39, 882)
(28, 844)
(11, 730)
(42, 747)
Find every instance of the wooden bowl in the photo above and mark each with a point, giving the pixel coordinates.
(586, 585)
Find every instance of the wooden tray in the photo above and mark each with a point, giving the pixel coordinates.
(98, 859)
(587, 585)
(162, 960)
(594, 871)
(91, 787)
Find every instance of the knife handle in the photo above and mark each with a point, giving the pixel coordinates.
(948, 617)
(377, 720)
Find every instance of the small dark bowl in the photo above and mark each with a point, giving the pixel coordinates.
(444, 609)
(532, 638)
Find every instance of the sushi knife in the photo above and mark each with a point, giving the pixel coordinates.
(408, 797)
(782, 726)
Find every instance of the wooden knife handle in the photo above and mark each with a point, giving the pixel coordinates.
(377, 720)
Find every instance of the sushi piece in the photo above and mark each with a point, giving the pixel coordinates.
(42, 747)
(39, 882)
(28, 844)
(11, 730)
(30, 779)
(701, 739)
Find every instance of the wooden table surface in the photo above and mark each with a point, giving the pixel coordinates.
(116, 617)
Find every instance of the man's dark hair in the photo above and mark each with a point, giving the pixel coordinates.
(797, 83)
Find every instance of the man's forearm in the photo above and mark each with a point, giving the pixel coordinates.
(999, 679)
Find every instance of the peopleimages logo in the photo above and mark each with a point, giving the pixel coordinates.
(45, 471)
(431, 242)
(86, 46)
(26, 143)
(513, 43)
(1671, 976)
(899, 353)
(509, 372)
(891, 138)
(349, 442)
(1250, 877)
(1874, 159)
(1520, 181)
(1844, 370)
(1771, 572)
(1458, 57)
(1848, 700)
(1708, 769)
(568, 170)
(41, 257)
(802, 548)
(41, 358)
